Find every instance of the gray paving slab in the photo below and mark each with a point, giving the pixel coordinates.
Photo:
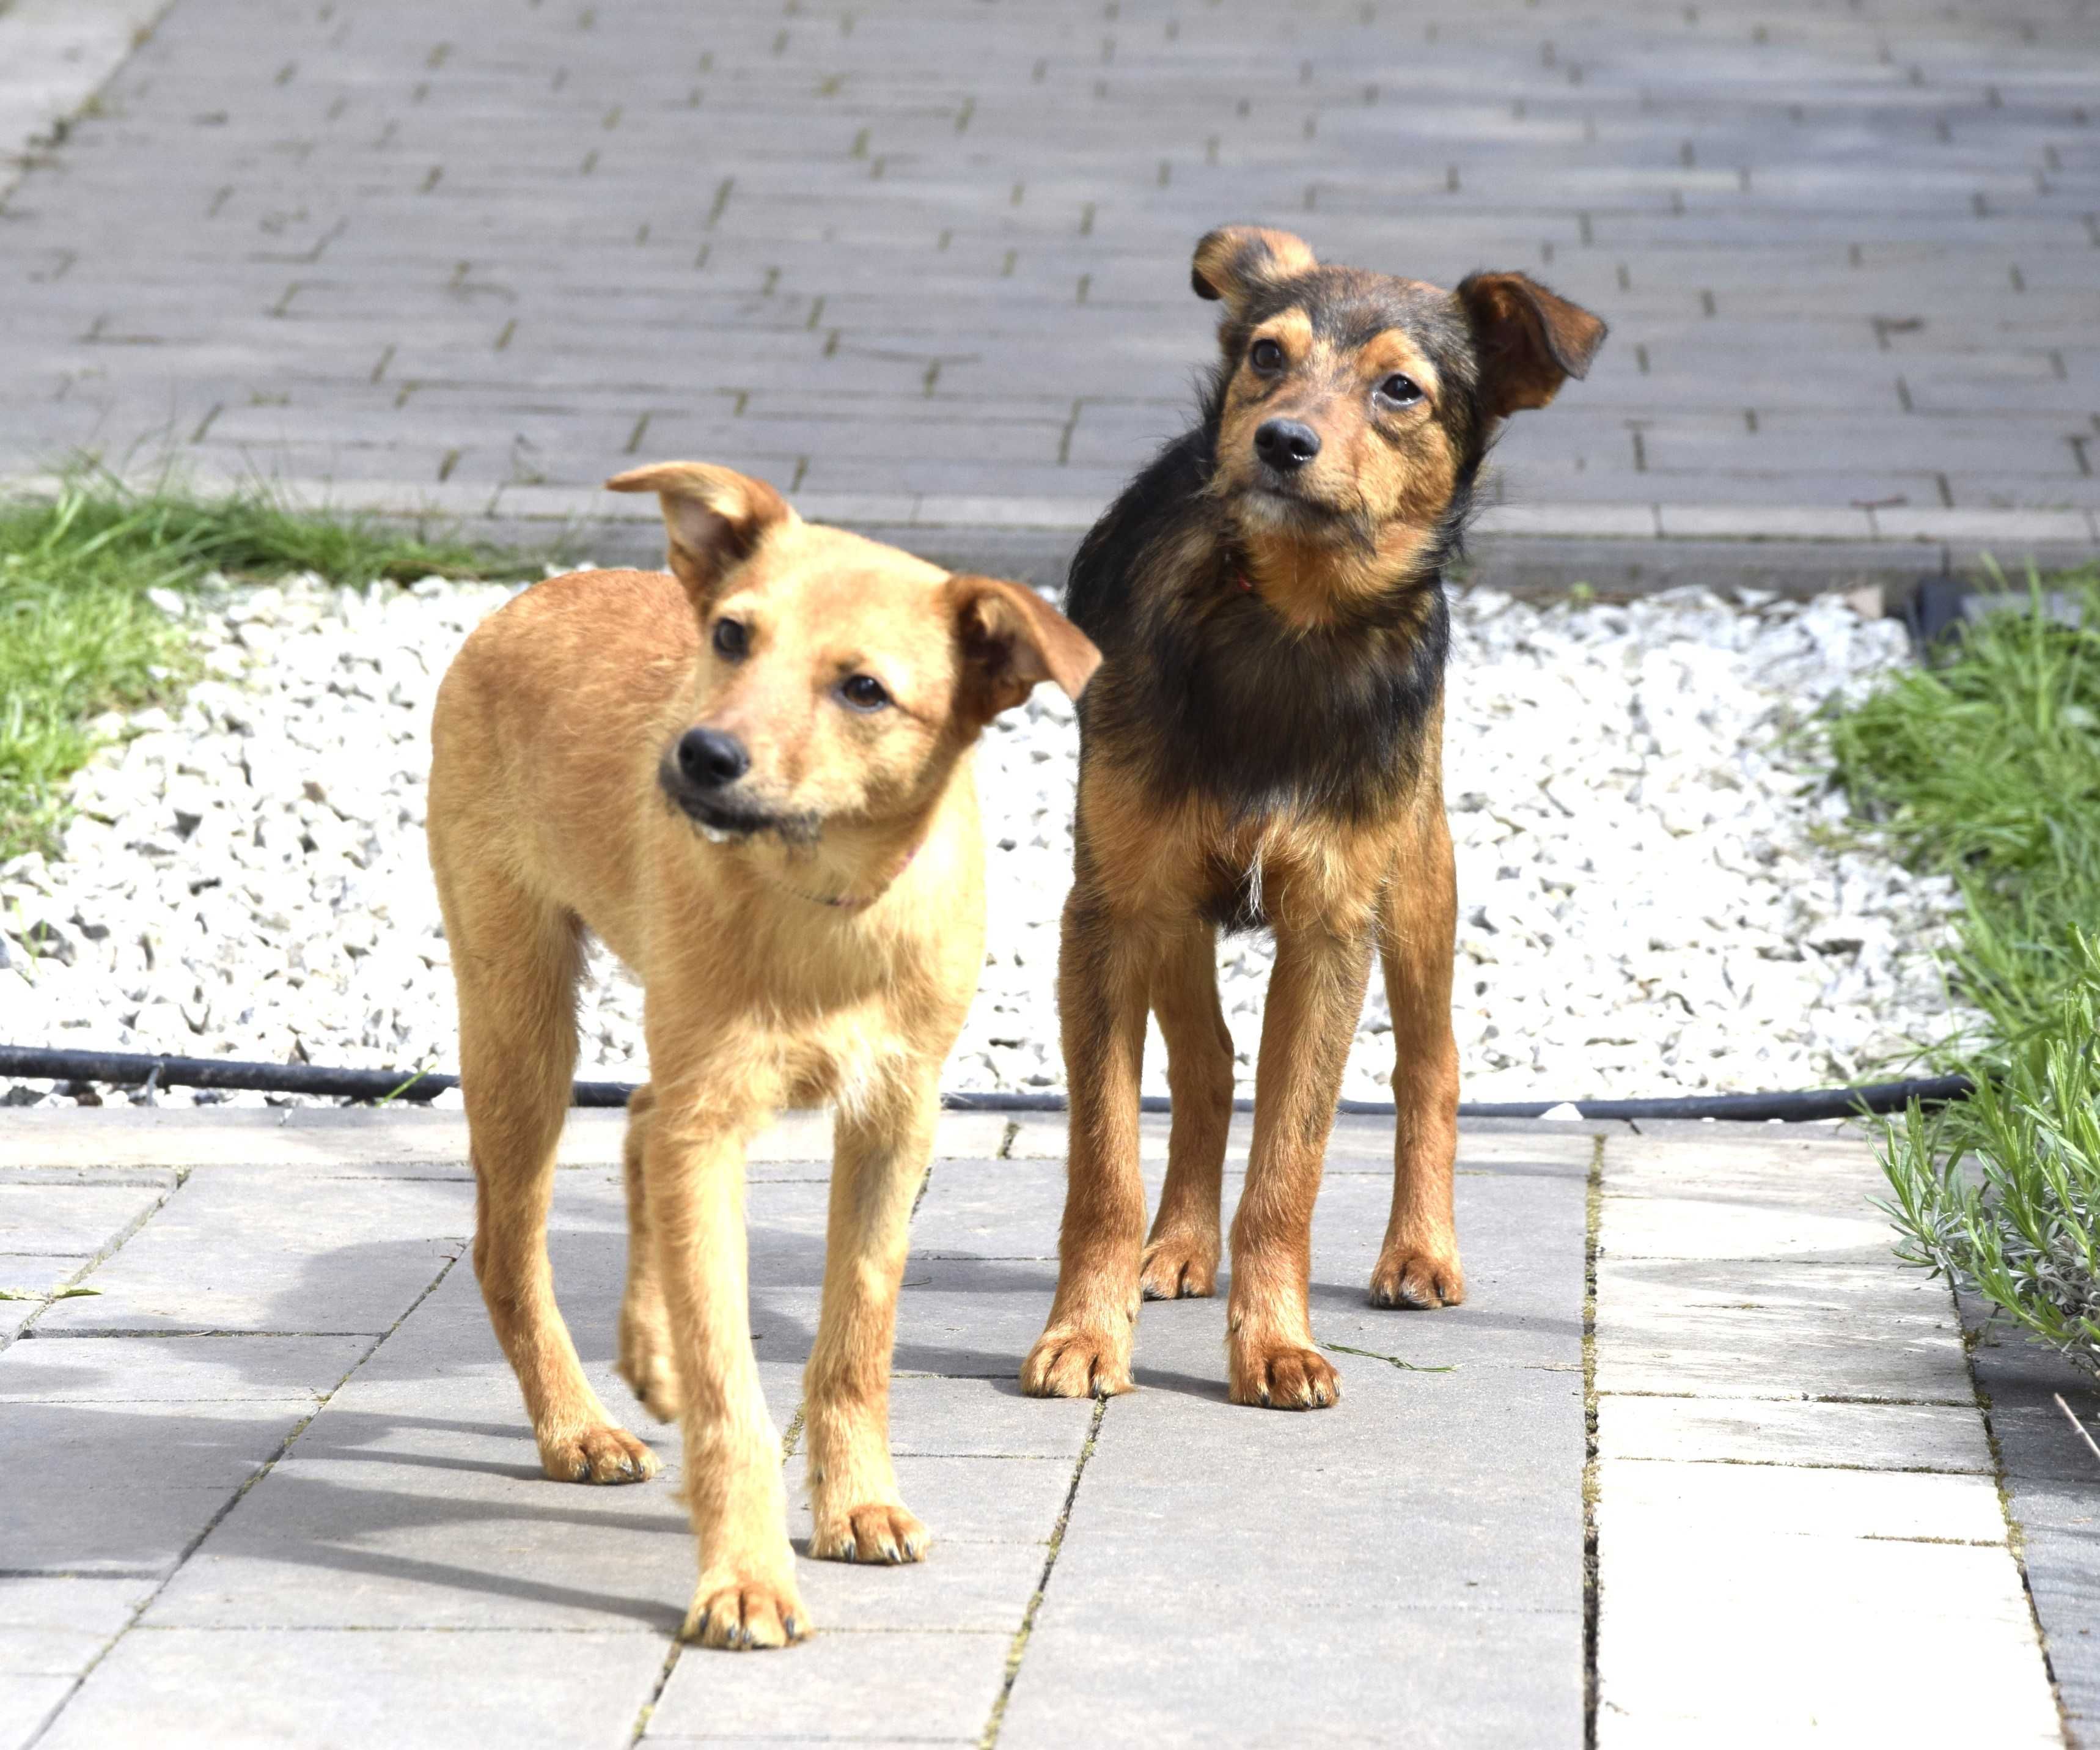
(848, 1688)
(2052, 1485)
(56, 1214)
(124, 1370)
(343, 1688)
(280, 1252)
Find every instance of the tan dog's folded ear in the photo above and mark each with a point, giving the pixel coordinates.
(1530, 340)
(716, 517)
(1235, 262)
(1012, 639)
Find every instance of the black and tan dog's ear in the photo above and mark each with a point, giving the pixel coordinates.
(1236, 261)
(1530, 340)
(716, 517)
(1012, 639)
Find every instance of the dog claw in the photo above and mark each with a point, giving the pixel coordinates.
(1420, 1281)
(1066, 1363)
(604, 1454)
(1283, 1377)
(738, 1617)
(886, 1534)
(1179, 1269)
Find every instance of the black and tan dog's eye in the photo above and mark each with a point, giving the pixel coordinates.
(1399, 390)
(732, 640)
(1265, 356)
(863, 692)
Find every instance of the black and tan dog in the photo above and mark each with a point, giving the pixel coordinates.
(1263, 746)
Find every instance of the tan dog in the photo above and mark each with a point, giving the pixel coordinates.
(754, 782)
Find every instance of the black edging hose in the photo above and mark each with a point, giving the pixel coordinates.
(126, 1069)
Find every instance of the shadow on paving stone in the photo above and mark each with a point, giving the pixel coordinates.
(2054, 1484)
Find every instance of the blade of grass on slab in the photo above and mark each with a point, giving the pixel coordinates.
(1391, 1361)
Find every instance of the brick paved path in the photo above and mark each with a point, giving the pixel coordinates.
(271, 1482)
(927, 262)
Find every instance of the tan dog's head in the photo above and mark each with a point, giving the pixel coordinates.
(838, 678)
(1351, 409)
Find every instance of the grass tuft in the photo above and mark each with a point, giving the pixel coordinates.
(1986, 767)
(81, 632)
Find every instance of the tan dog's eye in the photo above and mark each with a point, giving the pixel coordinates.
(1399, 390)
(863, 692)
(1265, 356)
(732, 640)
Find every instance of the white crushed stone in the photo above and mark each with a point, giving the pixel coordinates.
(1654, 897)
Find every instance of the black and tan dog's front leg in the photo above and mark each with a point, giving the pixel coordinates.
(1103, 968)
(1417, 1265)
(1315, 996)
(693, 1168)
(1181, 1255)
(879, 1161)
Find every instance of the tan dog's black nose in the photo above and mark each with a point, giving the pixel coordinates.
(708, 759)
(1285, 444)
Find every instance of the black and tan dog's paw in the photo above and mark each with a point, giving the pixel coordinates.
(884, 1532)
(1421, 1279)
(1179, 1268)
(1073, 1361)
(603, 1454)
(1280, 1376)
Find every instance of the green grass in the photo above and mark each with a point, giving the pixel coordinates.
(1986, 766)
(79, 635)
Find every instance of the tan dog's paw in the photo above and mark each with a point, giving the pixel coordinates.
(652, 1374)
(738, 1615)
(1279, 1376)
(604, 1454)
(1422, 1279)
(1179, 1268)
(1071, 1362)
(885, 1532)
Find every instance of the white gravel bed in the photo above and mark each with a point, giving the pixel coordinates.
(1652, 898)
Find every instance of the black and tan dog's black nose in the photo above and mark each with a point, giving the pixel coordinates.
(1286, 443)
(708, 759)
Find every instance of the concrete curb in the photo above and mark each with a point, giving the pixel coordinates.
(1618, 549)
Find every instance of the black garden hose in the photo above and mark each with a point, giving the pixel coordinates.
(126, 1069)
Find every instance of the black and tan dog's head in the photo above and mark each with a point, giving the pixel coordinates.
(1351, 409)
(838, 678)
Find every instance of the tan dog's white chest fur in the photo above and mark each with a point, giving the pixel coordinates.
(754, 781)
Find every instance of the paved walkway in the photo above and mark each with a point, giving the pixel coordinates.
(271, 1481)
(926, 263)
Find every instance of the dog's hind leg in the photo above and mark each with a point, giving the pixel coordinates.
(1103, 971)
(1417, 1265)
(646, 1360)
(1315, 996)
(517, 962)
(879, 1154)
(1181, 1257)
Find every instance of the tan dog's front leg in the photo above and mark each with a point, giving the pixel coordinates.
(878, 1162)
(1316, 995)
(1103, 969)
(1417, 1265)
(646, 1362)
(693, 1170)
